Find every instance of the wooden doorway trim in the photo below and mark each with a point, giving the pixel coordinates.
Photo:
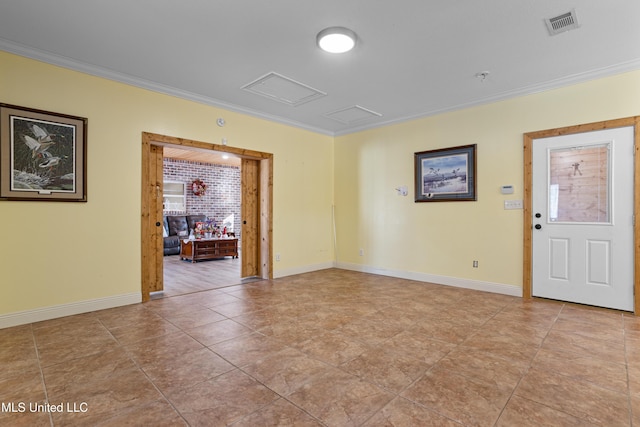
(528, 195)
(152, 258)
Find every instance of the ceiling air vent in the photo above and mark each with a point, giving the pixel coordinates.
(561, 23)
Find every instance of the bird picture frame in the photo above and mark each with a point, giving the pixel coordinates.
(43, 155)
(446, 174)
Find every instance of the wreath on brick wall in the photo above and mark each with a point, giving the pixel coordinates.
(198, 187)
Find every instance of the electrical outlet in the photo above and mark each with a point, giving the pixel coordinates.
(361, 252)
(475, 264)
(277, 257)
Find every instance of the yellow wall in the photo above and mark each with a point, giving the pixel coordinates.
(442, 239)
(55, 254)
(62, 253)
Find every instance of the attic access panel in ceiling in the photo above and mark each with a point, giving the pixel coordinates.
(352, 115)
(283, 89)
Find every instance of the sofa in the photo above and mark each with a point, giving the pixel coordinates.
(177, 227)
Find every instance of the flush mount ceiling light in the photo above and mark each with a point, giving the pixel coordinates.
(336, 39)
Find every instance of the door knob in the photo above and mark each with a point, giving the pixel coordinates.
(538, 215)
(538, 226)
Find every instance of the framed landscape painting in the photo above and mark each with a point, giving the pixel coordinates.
(42, 155)
(447, 174)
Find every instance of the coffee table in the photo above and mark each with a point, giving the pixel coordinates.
(199, 249)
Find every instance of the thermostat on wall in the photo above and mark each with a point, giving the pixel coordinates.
(506, 189)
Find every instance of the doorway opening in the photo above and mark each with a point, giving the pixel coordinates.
(256, 176)
(534, 138)
(219, 203)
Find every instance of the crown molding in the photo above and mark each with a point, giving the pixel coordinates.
(599, 73)
(97, 71)
(72, 64)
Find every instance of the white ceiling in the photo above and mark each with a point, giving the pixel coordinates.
(413, 58)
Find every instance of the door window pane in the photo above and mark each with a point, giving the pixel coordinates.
(579, 184)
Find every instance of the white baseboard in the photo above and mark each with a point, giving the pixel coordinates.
(53, 312)
(496, 288)
(303, 269)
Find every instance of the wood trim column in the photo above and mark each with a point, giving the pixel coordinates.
(250, 183)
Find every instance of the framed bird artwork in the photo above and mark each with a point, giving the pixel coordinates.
(43, 155)
(446, 174)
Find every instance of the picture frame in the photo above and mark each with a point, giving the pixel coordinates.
(43, 155)
(446, 174)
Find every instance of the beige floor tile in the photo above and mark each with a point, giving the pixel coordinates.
(25, 418)
(581, 399)
(634, 379)
(517, 349)
(331, 347)
(174, 306)
(526, 413)
(212, 300)
(222, 400)
(387, 367)
(605, 374)
(195, 318)
(22, 386)
(568, 342)
(71, 322)
(17, 355)
(451, 330)
(158, 413)
(104, 398)
(279, 413)
(369, 332)
(592, 315)
(216, 332)
(186, 369)
(66, 350)
(264, 319)
(635, 410)
(488, 367)
(420, 346)
(134, 332)
(247, 349)
(160, 348)
(81, 327)
(238, 308)
(125, 316)
(295, 331)
(593, 330)
(340, 399)
(470, 401)
(401, 412)
(61, 377)
(285, 371)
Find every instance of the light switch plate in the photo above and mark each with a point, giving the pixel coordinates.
(513, 204)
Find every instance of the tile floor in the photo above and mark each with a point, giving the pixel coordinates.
(334, 348)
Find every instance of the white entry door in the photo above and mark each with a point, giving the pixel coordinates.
(582, 189)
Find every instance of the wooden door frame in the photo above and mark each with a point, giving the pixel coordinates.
(150, 255)
(528, 195)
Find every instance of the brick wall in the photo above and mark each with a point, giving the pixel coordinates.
(222, 197)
